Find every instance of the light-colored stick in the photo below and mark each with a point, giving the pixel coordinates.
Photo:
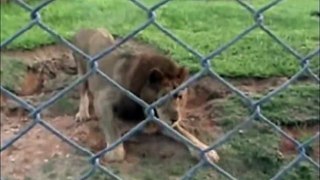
(212, 155)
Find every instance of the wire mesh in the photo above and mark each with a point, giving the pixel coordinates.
(206, 69)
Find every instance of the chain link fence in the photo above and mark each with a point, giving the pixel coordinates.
(206, 70)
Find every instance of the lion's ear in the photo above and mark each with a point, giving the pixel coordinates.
(155, 76)
(183, 73)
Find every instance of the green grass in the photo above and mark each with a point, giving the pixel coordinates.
(298, 103)
(303, 171)
(252, 154)
(204, 25)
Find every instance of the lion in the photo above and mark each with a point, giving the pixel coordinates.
(147, 75)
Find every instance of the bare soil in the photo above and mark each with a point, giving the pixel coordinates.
(31, 154)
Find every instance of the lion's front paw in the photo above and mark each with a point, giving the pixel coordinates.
(116, 155)
(82, 116)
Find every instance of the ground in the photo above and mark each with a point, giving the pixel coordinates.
(42, 68)
(212, 110)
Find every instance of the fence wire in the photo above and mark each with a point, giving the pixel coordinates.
(206, 69)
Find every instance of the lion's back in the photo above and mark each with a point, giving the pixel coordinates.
(92, 41)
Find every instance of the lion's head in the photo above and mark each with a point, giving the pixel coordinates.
(163, 77)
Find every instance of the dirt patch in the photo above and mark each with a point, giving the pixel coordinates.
(301, 134)
(51, 68)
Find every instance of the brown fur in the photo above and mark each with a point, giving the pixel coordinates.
(148, 76)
